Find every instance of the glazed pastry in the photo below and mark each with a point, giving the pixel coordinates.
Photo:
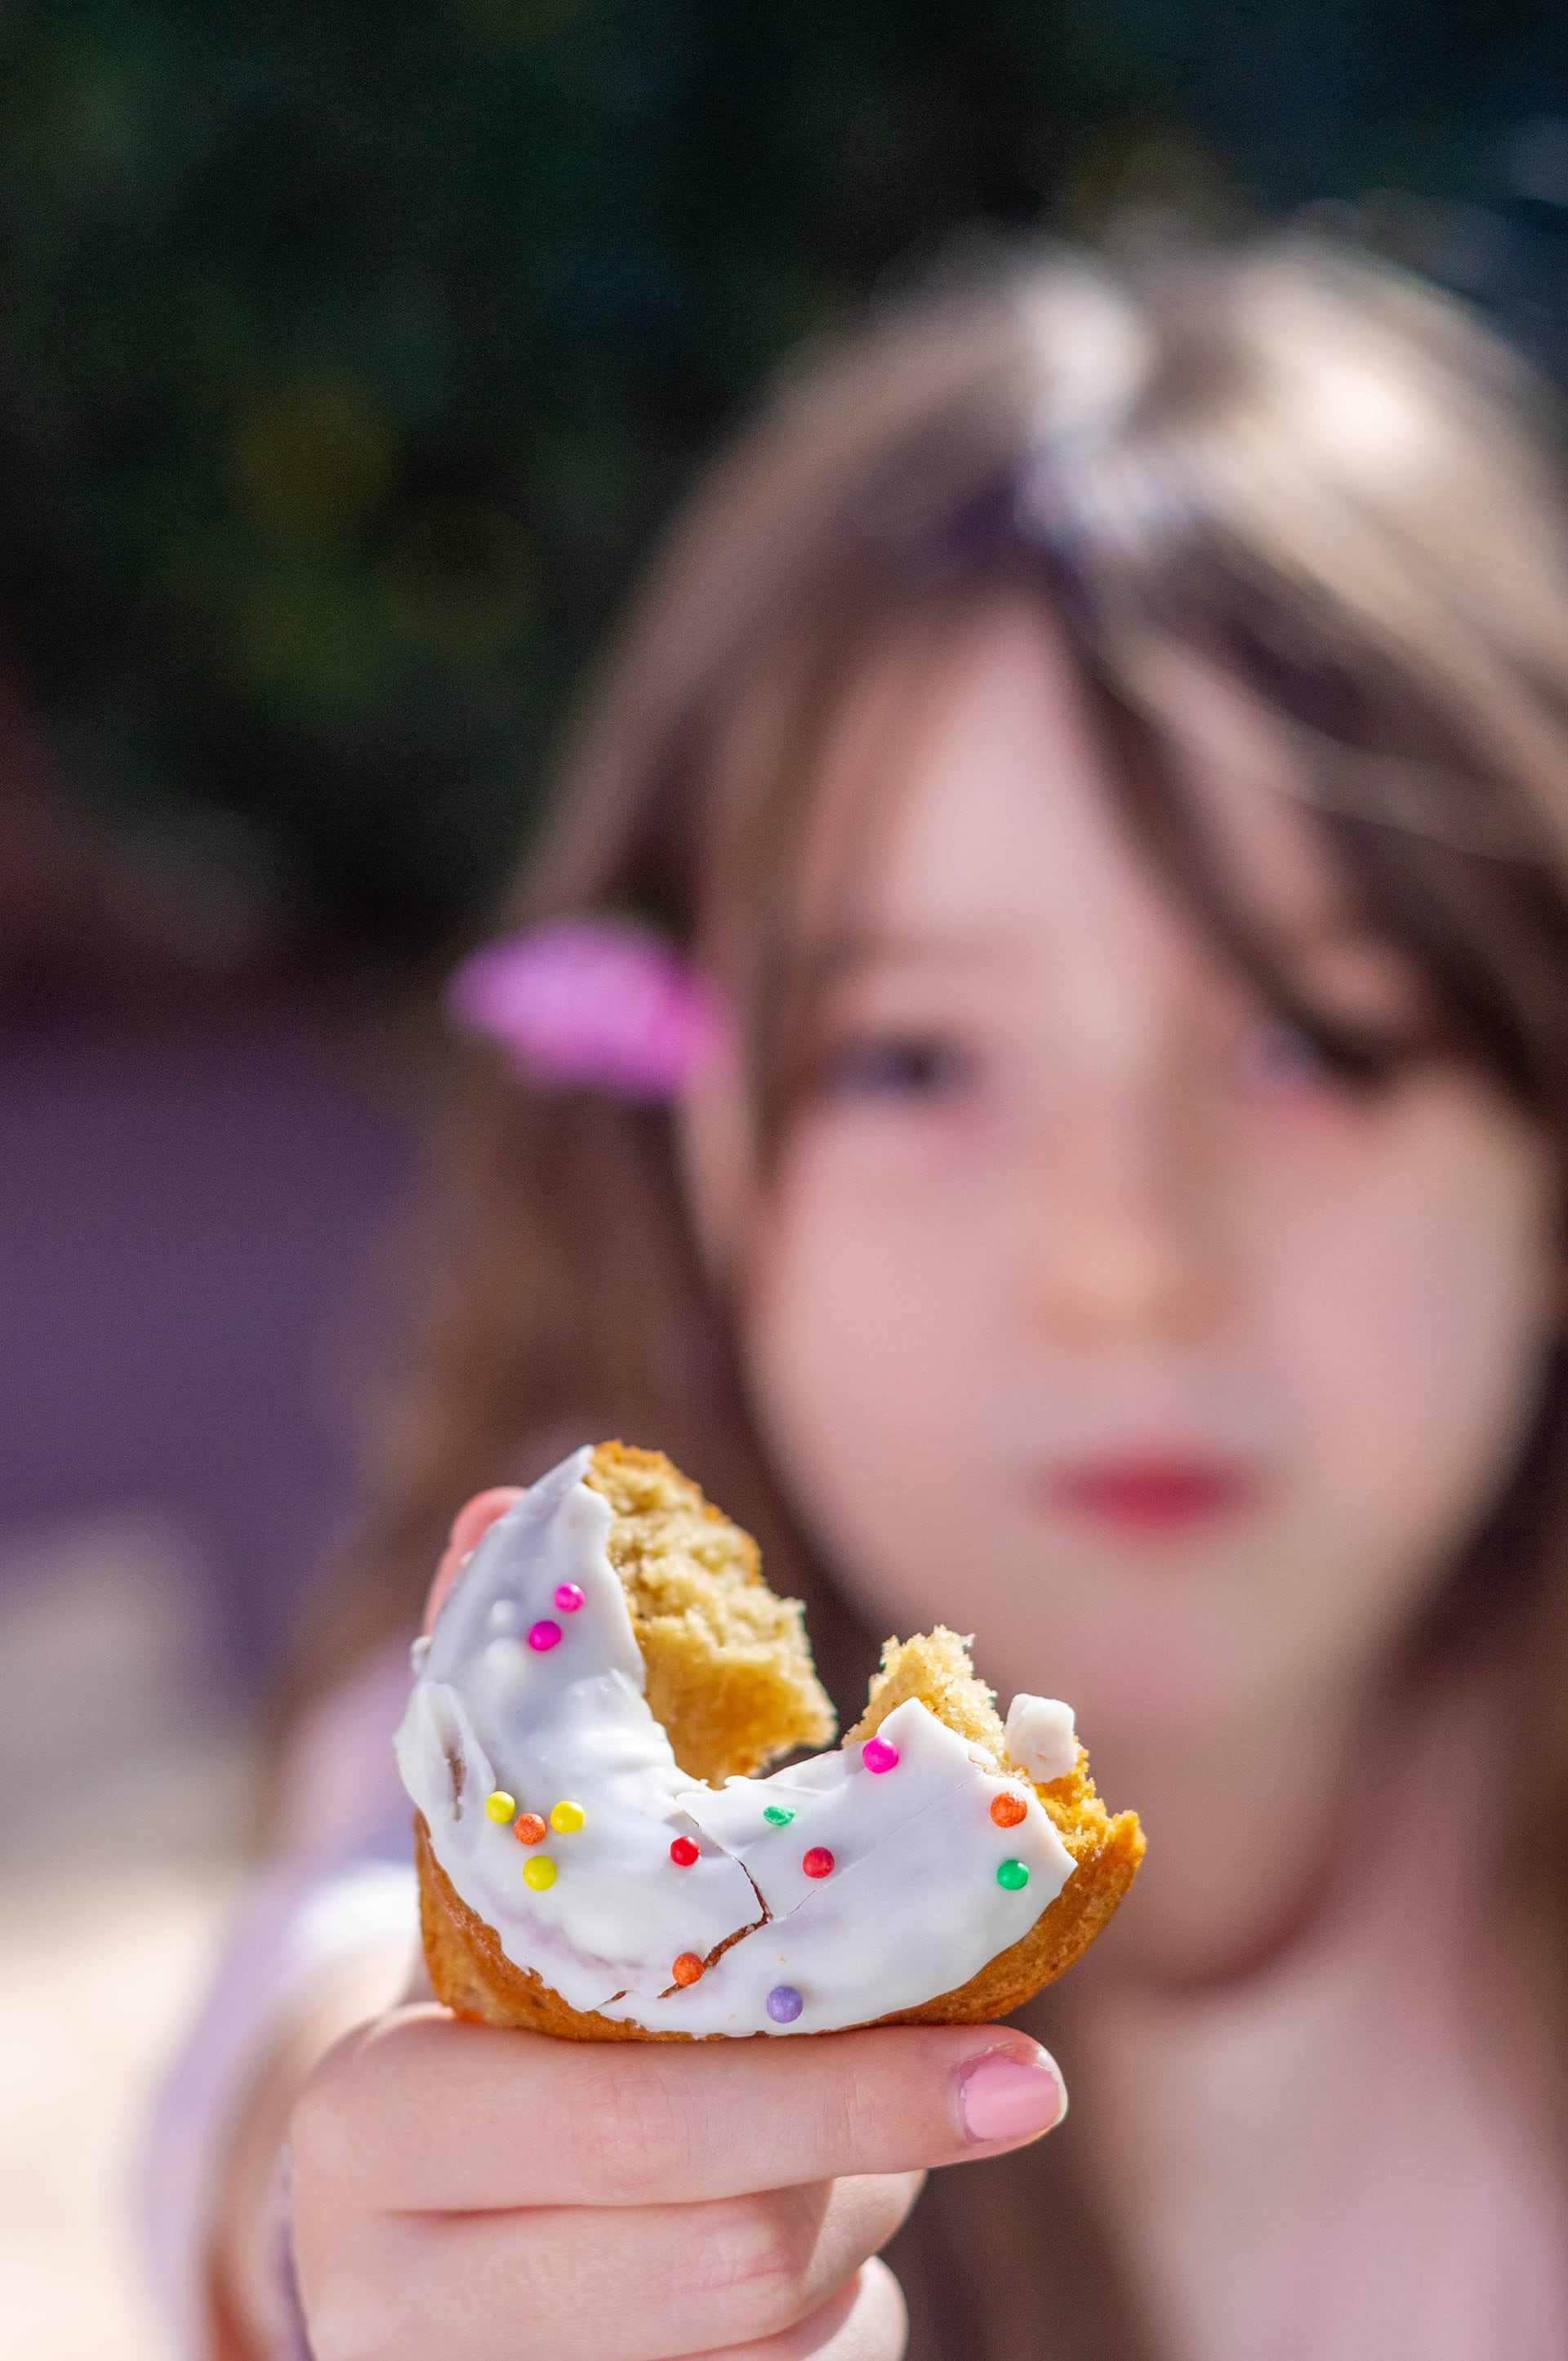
(603, 1854)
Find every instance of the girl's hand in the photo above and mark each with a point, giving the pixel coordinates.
(469, 1526)
(491, 2195)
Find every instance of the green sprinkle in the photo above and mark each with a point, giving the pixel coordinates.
(777, 1816)
(1013, 1874)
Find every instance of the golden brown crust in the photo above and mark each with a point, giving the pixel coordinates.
(730, 1679)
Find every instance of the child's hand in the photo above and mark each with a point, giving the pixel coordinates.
(490, 2195)
(470, 1525)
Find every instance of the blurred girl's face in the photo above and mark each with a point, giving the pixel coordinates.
(1088, 1309)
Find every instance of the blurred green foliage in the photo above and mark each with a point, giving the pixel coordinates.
(352, 351)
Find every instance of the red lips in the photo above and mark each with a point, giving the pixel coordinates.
(1151, 1493)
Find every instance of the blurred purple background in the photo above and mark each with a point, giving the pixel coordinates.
(186, 1191)
(204, 1135)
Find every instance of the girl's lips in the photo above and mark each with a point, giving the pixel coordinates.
(1151, 1492)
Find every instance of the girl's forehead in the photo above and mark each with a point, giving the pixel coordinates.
(965, 797)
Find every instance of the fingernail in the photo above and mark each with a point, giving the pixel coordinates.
(1005, 2097)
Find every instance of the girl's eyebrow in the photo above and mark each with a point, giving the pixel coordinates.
(841, 957)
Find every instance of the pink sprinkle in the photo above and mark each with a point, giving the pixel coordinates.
(568, 1596)
(544, 1635)
(879, 1754)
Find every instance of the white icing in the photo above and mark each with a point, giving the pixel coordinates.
(1040, 1736)
(912, 1907)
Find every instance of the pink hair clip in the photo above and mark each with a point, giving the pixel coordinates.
(592, 1003)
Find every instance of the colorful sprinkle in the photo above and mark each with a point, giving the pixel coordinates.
(566, 1817)
(530, 1828)
(687, 1967)
(784, 2004)
(777, 1816)
(544, 1634)
(1013, 1874)
(683, 1852)
(539, 1872)
(500, 1805)
(569, 1596)
(879, 1754)
(1008, 1808)
(817, 1863)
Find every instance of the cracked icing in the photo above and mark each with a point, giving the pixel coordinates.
(912, 1907)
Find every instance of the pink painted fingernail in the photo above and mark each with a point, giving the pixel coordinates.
(1005, 2097)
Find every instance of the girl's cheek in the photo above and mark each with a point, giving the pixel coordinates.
(1407, 1270)
(873, 1270)
(865, 1338)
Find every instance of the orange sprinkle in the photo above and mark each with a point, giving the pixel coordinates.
(687, 1967)
(1008, 1808)
(529, 1829)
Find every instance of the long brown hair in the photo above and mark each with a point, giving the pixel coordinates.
(1296, 462)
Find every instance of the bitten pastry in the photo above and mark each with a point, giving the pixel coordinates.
(599, 1856)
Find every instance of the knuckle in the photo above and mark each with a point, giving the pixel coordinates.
(754, 2258)
(321, 2127)
(336, 2334)
(628, 2131)
(863, 2109)
(890, 2197)
(353, 2307)
(350, 2331)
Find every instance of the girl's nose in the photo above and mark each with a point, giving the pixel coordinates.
(1119, 1228)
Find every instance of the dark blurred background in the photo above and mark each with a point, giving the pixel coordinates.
(349, 357)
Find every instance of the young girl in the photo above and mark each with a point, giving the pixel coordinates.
(1103, 738)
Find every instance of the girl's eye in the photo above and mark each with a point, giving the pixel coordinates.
(1276, 1060)
(895, 1067)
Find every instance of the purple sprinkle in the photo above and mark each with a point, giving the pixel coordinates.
(568, 1596)
(544, 1635)
(784, 2004)
(879, 1754)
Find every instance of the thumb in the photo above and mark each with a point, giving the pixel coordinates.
(469, 1527)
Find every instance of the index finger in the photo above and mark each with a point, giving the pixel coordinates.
(420, 2112)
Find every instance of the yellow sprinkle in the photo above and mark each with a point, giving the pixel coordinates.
(539, 1871)
(500, 1805)
(567, 1819)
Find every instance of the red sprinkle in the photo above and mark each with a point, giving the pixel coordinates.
(817, 1863)
(683, 1852)
(528, 1828)
(543, 1634)
(1008, 1808)
(687, 1967)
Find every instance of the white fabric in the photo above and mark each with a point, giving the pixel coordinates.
(345, 1891)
